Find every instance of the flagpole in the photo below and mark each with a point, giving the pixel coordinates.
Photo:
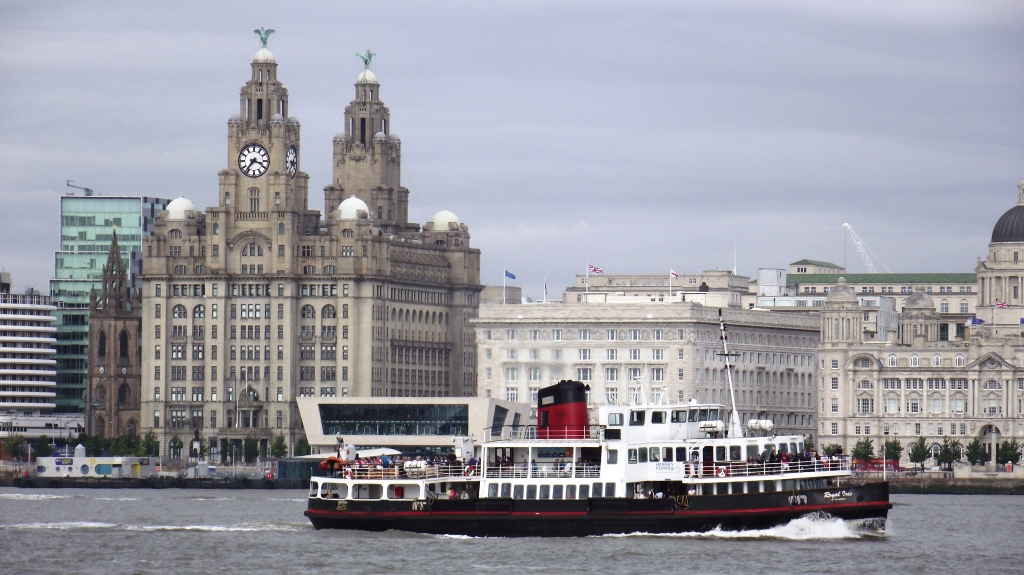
(670, 284)
(545, 289)
(586, 279)
(504, 279)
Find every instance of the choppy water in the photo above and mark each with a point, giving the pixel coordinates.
(91, 531)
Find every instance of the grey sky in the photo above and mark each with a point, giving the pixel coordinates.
(638, 136)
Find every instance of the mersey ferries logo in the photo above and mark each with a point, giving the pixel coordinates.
(838, 495)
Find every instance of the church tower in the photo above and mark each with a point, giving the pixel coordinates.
(113, 393)
(368, 158)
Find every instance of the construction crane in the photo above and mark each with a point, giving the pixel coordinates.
(861, 248)
(88, 191)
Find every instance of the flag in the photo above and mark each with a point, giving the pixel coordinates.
(1022, 321)
(674, 275)
(975, 321)
(1002, 304)
(510, 275)
(594, 269)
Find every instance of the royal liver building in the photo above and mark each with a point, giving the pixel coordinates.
(260, 299)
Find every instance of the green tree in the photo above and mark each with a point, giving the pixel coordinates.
(975, 452)
(251, 448)
(809, 441)
(918, 452)
(302, 447)
(279, 448)
(147, 446)
(864, 450)
(893, 450)
(95, 445)
(1009, 452)
(949, 452)
(41, 447)
(16, 447)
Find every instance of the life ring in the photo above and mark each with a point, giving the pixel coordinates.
(469, 471)
(722, 472)
(347, 474)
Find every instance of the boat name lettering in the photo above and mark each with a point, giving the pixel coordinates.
(838, 494)
(665, 466)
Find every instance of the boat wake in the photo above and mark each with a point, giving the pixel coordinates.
(32, 496)
(83, 525)
(811, 527)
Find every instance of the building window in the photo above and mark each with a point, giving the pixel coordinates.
(512, 393)
(611, 374)
(634, 335)
(611, 395)
(584, 354)
(835, 405)
(556, 335)
(583, 373)
(892, 361)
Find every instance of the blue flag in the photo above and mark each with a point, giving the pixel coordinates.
(510, 275)
(976, 321)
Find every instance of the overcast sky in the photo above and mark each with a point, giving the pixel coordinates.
(636, 136)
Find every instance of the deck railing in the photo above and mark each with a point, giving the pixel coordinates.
(544, 471)
(534, 433)
(408, 469)
(742, 468)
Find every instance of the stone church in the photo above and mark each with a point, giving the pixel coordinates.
(260, 299)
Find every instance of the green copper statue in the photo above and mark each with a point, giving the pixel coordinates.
(366, 57)
(264, 35)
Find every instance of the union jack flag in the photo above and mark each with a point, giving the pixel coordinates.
(594, 269)
(1002, 304)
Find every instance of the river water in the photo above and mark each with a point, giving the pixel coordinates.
(184, 531)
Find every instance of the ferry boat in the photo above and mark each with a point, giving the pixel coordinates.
(646, 467)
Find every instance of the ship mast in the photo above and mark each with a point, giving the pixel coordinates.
(735, 430)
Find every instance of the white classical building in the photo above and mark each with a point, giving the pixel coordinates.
(928, 379)
(669, 348)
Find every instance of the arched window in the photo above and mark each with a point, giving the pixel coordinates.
(123, 344)
(308, 312)
(328, 312)
(101, 344)
(176, 234)
(199, 311)
(892, 361)
(936, 360)
(959, 362)
(915, 361)
(347, 233)
(179, 312)
(101, 394)
(180, 270)
(124, 394)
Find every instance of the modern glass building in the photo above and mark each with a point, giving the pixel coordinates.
(87, 224)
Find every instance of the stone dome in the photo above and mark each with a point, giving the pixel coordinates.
(380, 137)
(293, 120)
(277, 119)
(179, 209)
(841, 293)
(340, 136)
(442, 219)
(919, 300)
(263, 55)
(350, 208)
(1010, 227)
(366, 77)
(394, 138)
(235, 119)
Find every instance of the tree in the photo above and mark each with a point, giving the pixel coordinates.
(302, 447)
(250, 448)
(808, 442)
(41, 446)
(279, 448)
(893, 450)
(864, 450)
(949, 452)
(1009, 452)
(15, 447)
(918, 452)
(975, 452)
(147, 446)
(122, 445)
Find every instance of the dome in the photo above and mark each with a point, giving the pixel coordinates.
(293, 120)
(235, 119)
(841, 293)
(380, 137)
(395, 138)
(350, 208)
(1010, 227)
(179, 209)
(277, 119)
(263, 55)
(442, 219)
(366, 77)
(919, 300)
(340, 136)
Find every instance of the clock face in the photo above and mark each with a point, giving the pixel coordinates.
(253, 160)
(291, 161)
(101, 369)
(124, 370)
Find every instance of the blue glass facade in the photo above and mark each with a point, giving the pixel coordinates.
(395, 419)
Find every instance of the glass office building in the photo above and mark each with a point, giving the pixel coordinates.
(87, 224)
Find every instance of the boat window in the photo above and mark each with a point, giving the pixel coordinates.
(609, 490)
(597, 489)
(783, 448)
(703, 415)
(753, 487)
(632, 455)
(655, 454)
(531, 491)
(506, 490)
(636, 417)
(680, 454)
(615, 419)
(613, 456)
(792, 449)
(769, 487)
(735, 453)
(693, 416)
(570, 492)
(641, 455)
(720, 453)
(556, 491)
(667, 454)
(517, 492)
(545, 491)
(752, 451)
(657, 417)
(715, 415)
(584, 492)
(679, 416)
(492, 490)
